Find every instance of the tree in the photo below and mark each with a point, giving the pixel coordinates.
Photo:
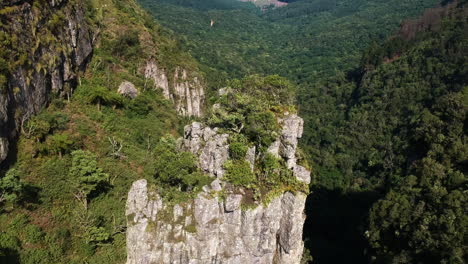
(176, 168)
(99, 95)
(59, 143)
(11, 187)
(87, 176)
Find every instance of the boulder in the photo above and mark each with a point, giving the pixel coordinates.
(128, 89)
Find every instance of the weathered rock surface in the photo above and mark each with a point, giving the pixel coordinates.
(286, 145)
(213, 230)
(187, 92)
(211, 148)
(55, 64)
(128, 89)
(209, 230)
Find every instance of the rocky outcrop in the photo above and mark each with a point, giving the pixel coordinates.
(128, 89)
(286, 145)
(266, 3)
(56, 43)
(211, 148)
(185, 91)
(211, 229)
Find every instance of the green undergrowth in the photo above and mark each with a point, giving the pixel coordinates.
(77, 159)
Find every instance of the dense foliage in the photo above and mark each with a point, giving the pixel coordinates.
(249, 110)
(387, 141)
(397, 127)
(304, 41)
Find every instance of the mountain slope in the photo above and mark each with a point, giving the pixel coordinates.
(62, 194)
(395, 130)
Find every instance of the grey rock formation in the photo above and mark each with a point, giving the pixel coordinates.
(128, 89)
(211, 148)
(3, 148)
(286, 145)
(214, 230)
(56, 65)
(186, 91)
(209, 230)
(159, 77)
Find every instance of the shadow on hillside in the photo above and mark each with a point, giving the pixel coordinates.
(9, 256)
(335, 226)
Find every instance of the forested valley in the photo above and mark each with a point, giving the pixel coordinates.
(383, 93)
(89, 106)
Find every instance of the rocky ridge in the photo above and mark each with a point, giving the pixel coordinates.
(184, 90)
(55, 56)
(215, 228)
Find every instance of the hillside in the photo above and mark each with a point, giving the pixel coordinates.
(390, 145)
(223, 132)
(63, 186)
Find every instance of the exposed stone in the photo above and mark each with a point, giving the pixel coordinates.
(250, 157)
(128, 89)
(224, 231)
(186, 92)
(3, 148)
(189, 93)
(216, 185)
(302, 174)
(159, 77)
(233, 202)
(292, 131)
(29, 91)
(211, 148)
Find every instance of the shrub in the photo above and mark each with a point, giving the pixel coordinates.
(36, 256)
(176, 168)
(238, 172)
(262, 127)
(237, 150)
(33, 234)
(127, 45)
(58, 144)
(9, 247)
(140, 106)
(11, 187)
(89, 179)
(99, 95)
(96, 235)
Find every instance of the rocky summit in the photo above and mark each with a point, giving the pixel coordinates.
(216, 227)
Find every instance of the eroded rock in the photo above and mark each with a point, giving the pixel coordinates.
(185, 91)
(55, 70)
(128, 89)
(211, 148)
(224, 233)
(212, 229)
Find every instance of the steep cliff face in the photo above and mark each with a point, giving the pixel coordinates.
(216, 227)
(186, 91)
(49, 42)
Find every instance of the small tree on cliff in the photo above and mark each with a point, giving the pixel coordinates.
(11, 187)
(99, 95)
(88, 177)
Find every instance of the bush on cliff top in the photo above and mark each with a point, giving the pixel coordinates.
(174, 168)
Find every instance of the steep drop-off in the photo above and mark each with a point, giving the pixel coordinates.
(45, 45)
